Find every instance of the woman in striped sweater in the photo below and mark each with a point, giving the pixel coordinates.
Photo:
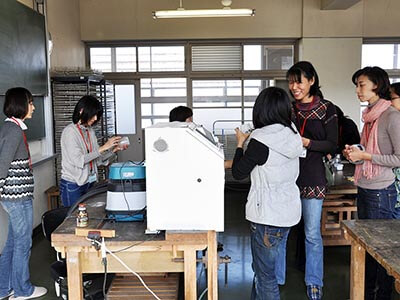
(16, 195)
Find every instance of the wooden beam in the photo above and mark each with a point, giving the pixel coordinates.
(337, 4)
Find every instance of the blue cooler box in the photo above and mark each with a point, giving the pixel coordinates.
(126, 194)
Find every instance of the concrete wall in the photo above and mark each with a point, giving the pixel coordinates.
(132, 19)
(63, 22)
(336, 59)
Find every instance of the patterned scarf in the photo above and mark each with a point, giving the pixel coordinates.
(369, 138)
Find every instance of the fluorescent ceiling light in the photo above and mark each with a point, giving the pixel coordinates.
(204, 13)
(226, 11)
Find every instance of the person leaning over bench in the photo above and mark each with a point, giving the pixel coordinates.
(80, 152)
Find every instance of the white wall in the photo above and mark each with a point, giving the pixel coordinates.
(336, 59)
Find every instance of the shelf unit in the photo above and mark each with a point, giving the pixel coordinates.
(66, 92)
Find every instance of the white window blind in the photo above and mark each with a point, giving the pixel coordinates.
(214, 58)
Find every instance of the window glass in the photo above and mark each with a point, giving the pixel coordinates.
(216, 93)
(125, 109)
(267, 57)
(211, 119)
(385, 56)
(125, 59)
(161, 58)
(100, 59)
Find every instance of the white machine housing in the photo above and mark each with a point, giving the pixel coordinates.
(185, 178)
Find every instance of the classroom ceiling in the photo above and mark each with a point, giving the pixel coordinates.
(337, 4)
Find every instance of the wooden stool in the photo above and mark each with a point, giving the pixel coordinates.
(333, 212)
(53, 195)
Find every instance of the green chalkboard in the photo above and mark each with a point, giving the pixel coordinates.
(23, 53)
(36, 126)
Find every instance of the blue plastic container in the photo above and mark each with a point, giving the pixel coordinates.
(127, 170)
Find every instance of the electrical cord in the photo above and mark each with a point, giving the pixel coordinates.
(105, 250)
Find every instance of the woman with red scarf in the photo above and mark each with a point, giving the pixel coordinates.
(373, 176)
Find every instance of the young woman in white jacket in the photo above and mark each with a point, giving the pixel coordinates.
(273, 204)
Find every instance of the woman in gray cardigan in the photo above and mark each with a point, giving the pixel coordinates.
(80, 153)
(16, 196)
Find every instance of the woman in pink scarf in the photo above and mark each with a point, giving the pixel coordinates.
(374, 177)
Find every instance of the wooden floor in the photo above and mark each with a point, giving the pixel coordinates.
(129, 287)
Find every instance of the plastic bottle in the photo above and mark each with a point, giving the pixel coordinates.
(82, 219)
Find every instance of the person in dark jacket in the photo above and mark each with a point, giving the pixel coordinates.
(316, 120)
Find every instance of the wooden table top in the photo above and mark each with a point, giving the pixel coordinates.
(124, 231)
(381, 238)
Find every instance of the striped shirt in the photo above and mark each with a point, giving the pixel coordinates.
(16, 177)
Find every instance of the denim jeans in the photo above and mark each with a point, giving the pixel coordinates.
(14, 259)
(70, 192)
(376, 204)
(312, 209)
(280, 265)
(265, 243)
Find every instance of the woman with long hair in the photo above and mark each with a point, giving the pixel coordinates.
(273, 204)
(316, 120)
(16, 197)
(80, 152)
(374, 177)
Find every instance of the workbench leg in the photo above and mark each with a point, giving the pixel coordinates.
(357, 272)
(189, 254)
(74, 274)
(212, 269)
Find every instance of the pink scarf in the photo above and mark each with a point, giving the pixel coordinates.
(369, 138)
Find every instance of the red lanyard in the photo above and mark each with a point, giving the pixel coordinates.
(303, 126)
(25, 142)
(87, 146)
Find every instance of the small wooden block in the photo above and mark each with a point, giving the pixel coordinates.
(103, 232)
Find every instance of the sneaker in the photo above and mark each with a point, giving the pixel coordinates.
(37, 292)
(314, 292)
(8, 295)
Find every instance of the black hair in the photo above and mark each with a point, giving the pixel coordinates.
(379, 77)
(306, 69)
(180, 113)
(396, 88)
(90, 107)
(339, 113)
(16, 103)
(272, 106)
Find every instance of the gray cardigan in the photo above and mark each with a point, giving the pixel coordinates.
(75, 159)
(389, 145)
(16, 178)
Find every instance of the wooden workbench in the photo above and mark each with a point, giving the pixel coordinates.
(165, 252)
(381, 239)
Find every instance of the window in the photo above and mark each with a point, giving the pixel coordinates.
(100, 59)
(159, 96)
(161, 59)
(384, 55)
(220, 80)
(267, 57)
(125, 59)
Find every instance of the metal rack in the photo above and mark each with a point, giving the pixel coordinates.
(66, 92)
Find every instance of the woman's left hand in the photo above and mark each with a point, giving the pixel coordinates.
(241, 137)
(355, 154)
(305, 141)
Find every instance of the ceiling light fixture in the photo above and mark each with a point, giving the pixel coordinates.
(226, 11)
